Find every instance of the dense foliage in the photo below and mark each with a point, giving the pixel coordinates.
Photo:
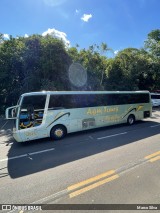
(41, 63)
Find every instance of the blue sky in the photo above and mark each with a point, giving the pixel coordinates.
(119, 23)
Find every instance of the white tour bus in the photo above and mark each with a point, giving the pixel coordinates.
(54, 114)
(155, 98)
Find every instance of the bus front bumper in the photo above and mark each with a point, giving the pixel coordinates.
(17, 136)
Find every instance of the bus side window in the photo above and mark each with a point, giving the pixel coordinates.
(56, 102)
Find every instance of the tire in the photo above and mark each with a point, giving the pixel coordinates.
(58, 132)
(131, 120)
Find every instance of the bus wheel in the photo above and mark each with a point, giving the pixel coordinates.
(58, 132)
(131, 119)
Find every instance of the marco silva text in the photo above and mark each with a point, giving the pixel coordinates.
(147, 207)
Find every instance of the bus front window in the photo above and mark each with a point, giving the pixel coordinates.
(32, 110)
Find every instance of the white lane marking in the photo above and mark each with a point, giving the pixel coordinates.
(12, 158)
(39, 152)
(10, 143)
(26, 155)
(53, 196)
(155, 125)
(4, 144)
(91, 137)
(109, 136)
(4, 124)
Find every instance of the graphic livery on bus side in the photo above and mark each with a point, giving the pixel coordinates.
(54, 114)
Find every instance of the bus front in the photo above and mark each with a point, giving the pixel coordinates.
(29, 115)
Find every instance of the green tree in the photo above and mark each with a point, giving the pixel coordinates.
(11, 65)
(152, 44)
(131, 69)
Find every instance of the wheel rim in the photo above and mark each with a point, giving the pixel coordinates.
(59, 133)
(131, 120)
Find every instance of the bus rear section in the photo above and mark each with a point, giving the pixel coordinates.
(155, 98)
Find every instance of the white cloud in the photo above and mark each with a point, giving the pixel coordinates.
(5, 36)
(86, 17)
(116, 52)
(57, 34)
(77, 11)
(26, 35)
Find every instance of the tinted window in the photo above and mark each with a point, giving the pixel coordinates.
(59, 101)
(155, 96)
(120, 99)
(71, 101)
(93, 100)
(36, 101)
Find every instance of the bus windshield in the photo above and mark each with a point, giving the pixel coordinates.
(31, 111)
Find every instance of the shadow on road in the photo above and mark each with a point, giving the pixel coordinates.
(6, 131)
(74, 147)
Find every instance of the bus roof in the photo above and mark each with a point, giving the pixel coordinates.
(82, 92)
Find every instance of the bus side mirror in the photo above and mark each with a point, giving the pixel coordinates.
(11, 112)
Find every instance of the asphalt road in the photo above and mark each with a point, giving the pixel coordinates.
(112, 165)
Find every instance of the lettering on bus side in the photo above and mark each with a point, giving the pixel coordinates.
(30, 134)
(112, 118)
(100, 111)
